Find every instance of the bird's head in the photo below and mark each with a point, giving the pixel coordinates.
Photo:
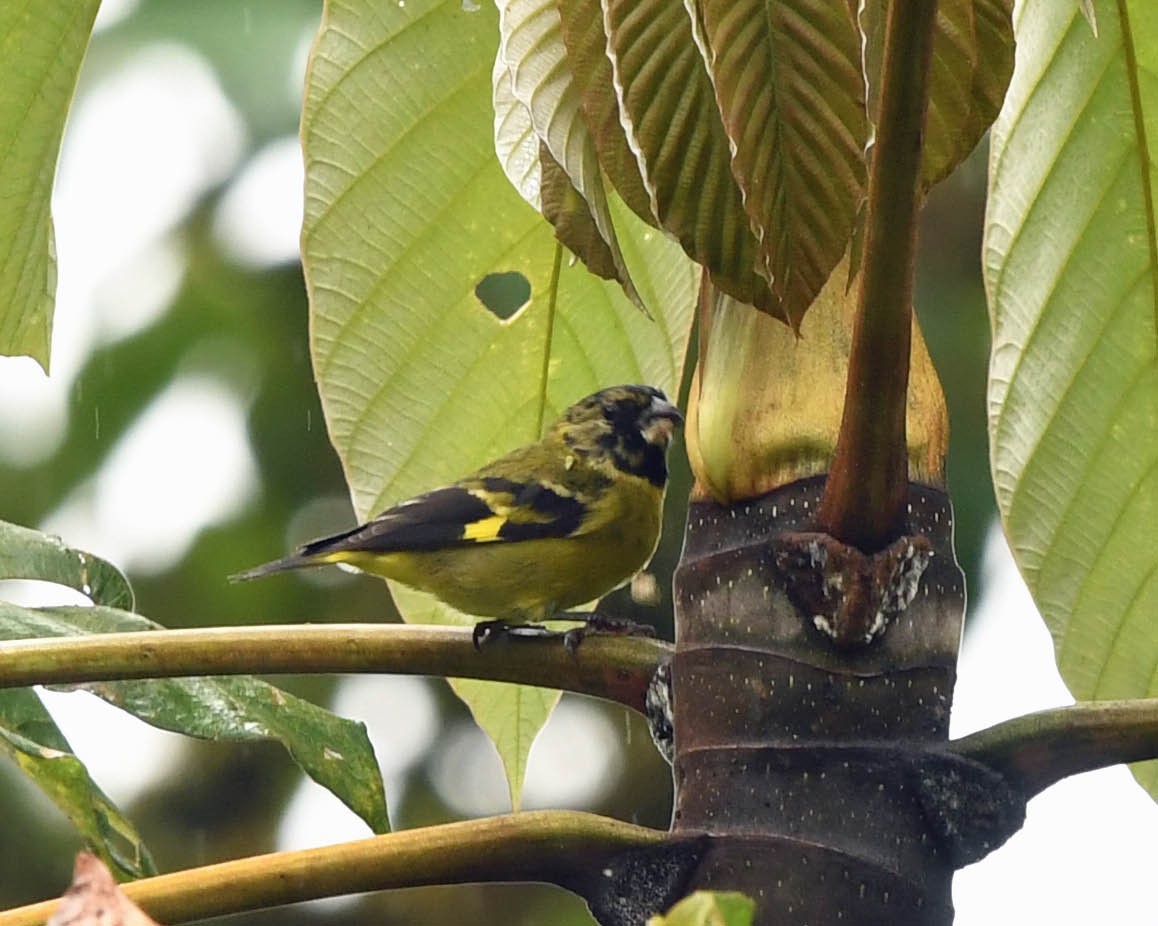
(631, 426)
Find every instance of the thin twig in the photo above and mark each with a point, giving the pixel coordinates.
(610, 667)
(1037, 750)
(532, 846)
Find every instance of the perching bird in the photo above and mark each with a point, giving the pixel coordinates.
(547, 527)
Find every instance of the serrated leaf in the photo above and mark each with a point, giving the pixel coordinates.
(587, 58)
(993, 22)
(667, 108)
(709, 908)
(31, 739)
(407, 210)
(542, 182)
(29, 554)
(518, 148)
(1071, 270)
(531, 44)
(335, 752)
(41, 48)
(970, 66)
(574, 225)
(788, 83)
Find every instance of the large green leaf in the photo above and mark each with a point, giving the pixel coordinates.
(335, 752)
(29, 554)
(41, 47)
(789, 85)
(31, 739)
(1071, 266)
(407, 211)
(532, 49)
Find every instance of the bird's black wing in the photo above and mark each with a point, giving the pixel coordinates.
(482, 510)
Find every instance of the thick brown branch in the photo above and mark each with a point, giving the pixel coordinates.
(864, 501)
(610, 667)
(535, 846)
(1038, 750)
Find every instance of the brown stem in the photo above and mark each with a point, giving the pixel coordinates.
(614, 668)
(864, 501)
(1038, 750)
(533, 846)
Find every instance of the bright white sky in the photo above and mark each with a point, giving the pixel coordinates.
(142, 145)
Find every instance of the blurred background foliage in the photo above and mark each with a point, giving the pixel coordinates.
(195, 306)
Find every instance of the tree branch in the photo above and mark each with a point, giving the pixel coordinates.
(611, 667)
(864, 499)
(1038, 750)
(534, 846)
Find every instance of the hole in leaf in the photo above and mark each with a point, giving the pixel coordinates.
(504, 293)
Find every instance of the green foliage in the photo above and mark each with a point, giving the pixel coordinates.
(333, 751)
(31, 739)
(420, 382)
(28, 734)
(41, 47)
(29, 554)
(1071, 264)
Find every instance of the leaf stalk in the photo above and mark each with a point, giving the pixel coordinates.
(864, 500)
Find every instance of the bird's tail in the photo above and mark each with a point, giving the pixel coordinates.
(285, 564)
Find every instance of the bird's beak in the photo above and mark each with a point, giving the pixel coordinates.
(660, 421)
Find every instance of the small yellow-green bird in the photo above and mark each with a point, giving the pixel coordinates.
(547, 527)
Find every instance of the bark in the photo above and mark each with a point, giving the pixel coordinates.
(818, 771)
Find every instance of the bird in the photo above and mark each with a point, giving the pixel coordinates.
(548, 527)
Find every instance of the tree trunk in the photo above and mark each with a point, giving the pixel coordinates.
(813, 760)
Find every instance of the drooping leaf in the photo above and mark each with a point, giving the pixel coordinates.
(41, 48)
(667, 107)
(1071, 269)
(31, 739)
(407, 212)
(511, 718)
(590, 65)
(574, 224)
(544, 184)
(29, 554)
(519, 150)
(531, 45)
(335, 752)
(788, 83)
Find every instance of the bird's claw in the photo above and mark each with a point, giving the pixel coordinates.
(572, 638)
(485, 632)
(618, 626)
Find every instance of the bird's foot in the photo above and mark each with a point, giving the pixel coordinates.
(598, 623)
(486, 632)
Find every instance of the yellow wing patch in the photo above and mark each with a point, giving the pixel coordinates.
(483, 530)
